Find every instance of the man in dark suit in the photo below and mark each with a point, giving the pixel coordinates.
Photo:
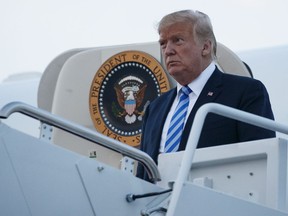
(188, 47)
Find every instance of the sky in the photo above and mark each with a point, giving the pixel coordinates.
(34, 32)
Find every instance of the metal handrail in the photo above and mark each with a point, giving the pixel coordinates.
(195, 135)
(84, 133)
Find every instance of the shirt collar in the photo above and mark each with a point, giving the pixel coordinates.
(198, 84)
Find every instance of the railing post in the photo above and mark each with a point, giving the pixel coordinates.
(195, 135)
(85, 133)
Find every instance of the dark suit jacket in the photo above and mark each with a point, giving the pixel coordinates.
(239, 92)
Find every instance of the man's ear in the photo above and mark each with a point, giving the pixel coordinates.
(207, 48)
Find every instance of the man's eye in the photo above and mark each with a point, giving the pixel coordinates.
(178, 40)
(162, 45)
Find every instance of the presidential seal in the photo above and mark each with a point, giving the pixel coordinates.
(121, 90)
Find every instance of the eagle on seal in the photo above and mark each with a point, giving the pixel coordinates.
(130, 99)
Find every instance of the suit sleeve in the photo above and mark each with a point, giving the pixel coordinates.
(141, 173)
(255, 99)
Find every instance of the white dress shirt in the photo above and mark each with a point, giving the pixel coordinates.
(196, 86)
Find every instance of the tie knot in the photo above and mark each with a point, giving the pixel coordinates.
(186, 90)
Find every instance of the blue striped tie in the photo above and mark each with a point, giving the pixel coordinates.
(177, 122)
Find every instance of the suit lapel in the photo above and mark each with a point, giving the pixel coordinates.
(163, 106)
(211, 90)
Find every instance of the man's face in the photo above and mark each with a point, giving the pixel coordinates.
(182, 55)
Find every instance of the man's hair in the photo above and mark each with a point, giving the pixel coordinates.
(200, 25)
